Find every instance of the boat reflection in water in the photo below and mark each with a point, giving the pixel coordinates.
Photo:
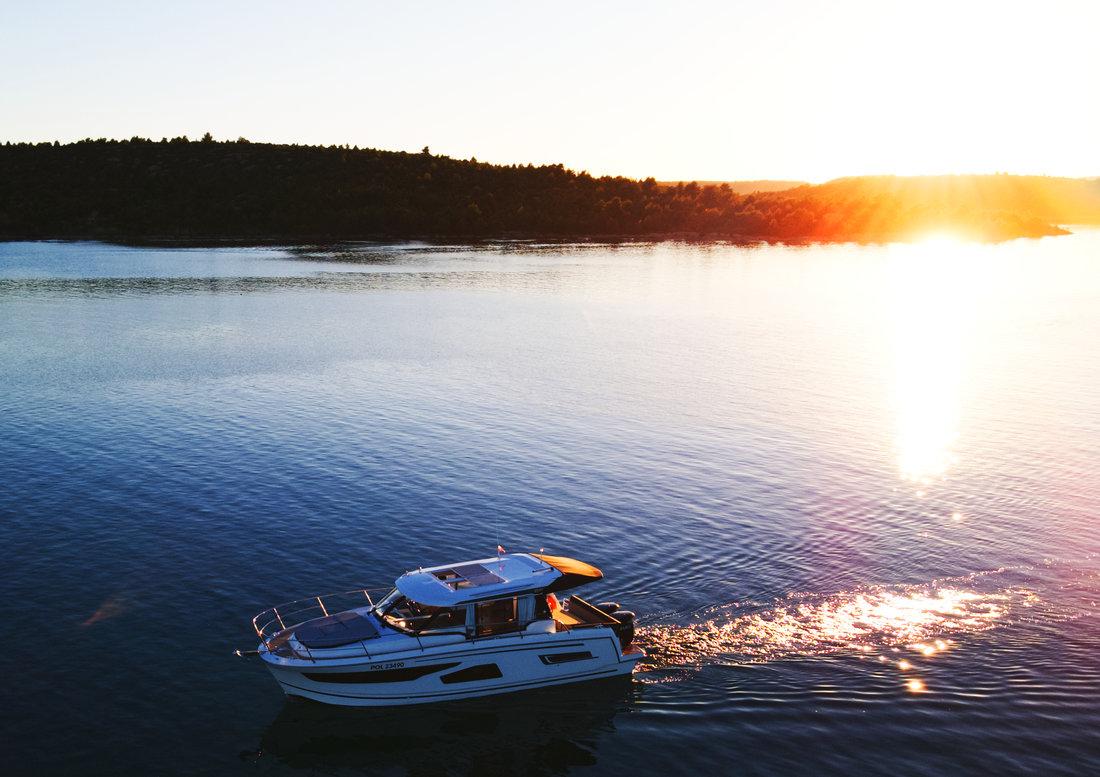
(544, 731)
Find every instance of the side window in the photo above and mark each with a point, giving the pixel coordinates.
(496, 617)
(447, 618)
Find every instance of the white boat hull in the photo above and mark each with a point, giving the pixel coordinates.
(462, 670)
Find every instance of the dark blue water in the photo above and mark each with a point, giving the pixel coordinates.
(853, 492)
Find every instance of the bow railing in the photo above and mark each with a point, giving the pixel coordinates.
(275, 625)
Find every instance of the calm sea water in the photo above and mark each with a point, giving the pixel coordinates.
(853, 492)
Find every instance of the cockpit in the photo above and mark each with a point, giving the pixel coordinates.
(403, 614)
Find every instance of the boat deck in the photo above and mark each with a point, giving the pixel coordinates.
(580, 614)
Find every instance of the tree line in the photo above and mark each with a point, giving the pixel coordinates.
(205, 189)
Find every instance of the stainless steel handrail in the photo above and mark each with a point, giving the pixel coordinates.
(287, 616)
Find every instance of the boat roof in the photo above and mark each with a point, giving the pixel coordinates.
(451, 585)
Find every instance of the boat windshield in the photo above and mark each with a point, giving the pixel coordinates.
(403, 614)
(385, 602)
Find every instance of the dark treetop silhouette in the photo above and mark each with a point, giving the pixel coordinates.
(181, 189)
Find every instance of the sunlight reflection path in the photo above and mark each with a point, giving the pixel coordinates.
(934, 288)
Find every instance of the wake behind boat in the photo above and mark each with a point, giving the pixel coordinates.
(450, 632)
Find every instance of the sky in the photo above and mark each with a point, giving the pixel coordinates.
(680, 91)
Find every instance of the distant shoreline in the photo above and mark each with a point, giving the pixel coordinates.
(181, 191)
(256, 241)
(149, 241)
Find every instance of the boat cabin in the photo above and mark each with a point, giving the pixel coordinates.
(514, 592)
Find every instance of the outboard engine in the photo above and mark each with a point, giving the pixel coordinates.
(624, 628)
(609, 607)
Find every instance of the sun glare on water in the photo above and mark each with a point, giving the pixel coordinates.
(940, 240)
(933, 285)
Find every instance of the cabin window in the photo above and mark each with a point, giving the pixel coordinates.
(445, 618)
(496, 617)
(407, 615)
(553, 659)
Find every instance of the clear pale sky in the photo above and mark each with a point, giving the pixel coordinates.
(677, 90)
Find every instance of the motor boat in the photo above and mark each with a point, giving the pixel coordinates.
(455, 631)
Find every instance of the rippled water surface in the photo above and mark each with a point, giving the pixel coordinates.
(852, 491)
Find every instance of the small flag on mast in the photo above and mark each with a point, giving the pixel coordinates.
(500, 550)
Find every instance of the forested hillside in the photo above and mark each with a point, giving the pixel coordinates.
(181, 189)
